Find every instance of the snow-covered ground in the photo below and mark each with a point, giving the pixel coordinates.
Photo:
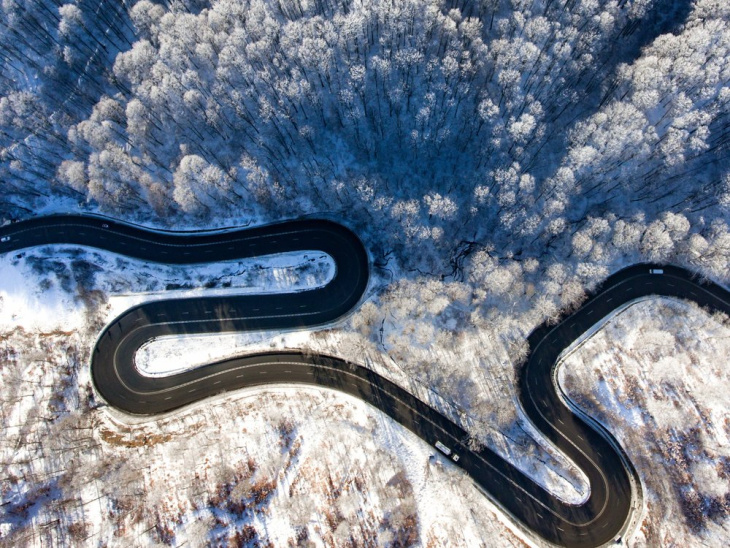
(333, 467)
(288, 463)
(280, 466)
(170, 355)
(656, 375)
(34, 307)
(604, 144)
(38, 287)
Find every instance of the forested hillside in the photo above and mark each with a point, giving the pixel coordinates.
(497, 157)
(522, 128)
(498, 143)
(492, 154)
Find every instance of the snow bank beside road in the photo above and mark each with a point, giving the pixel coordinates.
(46, 290)
(47, 307)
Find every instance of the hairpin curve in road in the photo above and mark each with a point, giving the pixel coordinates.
(613, 481)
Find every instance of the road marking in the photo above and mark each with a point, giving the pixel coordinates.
(385, 392)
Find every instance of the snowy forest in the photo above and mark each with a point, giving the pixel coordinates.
(499, 158)
(535, 130)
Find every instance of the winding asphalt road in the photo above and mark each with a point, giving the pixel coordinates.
(613, 481)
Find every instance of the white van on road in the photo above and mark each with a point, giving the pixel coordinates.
(441, 447)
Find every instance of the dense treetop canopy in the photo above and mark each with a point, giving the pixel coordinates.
(515, 125)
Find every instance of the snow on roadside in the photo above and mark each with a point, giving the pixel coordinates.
(281, 273)
(537, 459)
(453, 518)
(43, 290)
(655, 375)
(42, 308)
(338, 467)
(170, 355)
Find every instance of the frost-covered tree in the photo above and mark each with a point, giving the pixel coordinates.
(498, 157)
